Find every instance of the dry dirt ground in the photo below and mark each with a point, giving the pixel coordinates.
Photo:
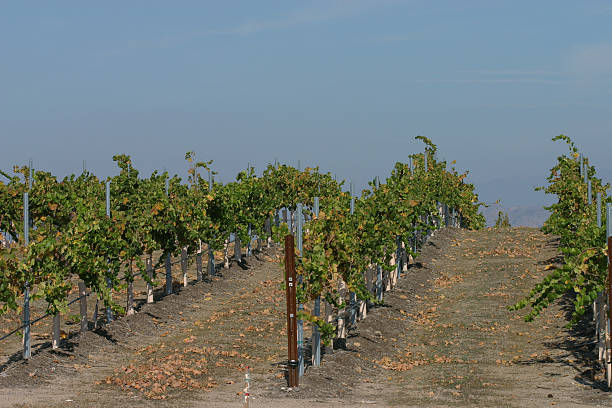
(10, 348)
(443, 337)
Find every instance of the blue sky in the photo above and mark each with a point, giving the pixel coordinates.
(341, 84)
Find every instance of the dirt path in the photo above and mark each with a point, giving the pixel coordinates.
(466, 348)
(443, 338)
(171, 353)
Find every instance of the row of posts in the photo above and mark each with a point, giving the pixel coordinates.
(168, 267)
(26, 323)
(296, 229)
(601, 305)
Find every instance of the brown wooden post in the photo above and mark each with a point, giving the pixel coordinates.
(290, 282)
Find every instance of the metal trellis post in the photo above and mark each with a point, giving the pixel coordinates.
(598, 209)
(168, 260)
(211, 253)
(352, 296)
(399, 261)
(109, 312)
(300, 322)
(27, 349)
(608, 219)
(316, 336)
(379, 283)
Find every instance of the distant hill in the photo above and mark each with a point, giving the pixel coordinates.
(520, 216)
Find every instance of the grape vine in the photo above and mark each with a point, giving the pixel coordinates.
(582, 242)
(72, 237)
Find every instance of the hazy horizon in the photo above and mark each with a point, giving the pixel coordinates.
(344, 85)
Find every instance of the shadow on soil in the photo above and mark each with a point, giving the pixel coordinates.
(580, 348)
(97, 326)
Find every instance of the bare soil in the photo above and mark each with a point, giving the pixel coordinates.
(443, 337)
(41, 330)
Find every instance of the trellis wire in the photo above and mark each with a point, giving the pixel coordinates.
(299, 230)
(32, 322)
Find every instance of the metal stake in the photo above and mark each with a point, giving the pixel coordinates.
(598, 209)
(316, 336)
(109, 285)
(27, 336)
(300, 322)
